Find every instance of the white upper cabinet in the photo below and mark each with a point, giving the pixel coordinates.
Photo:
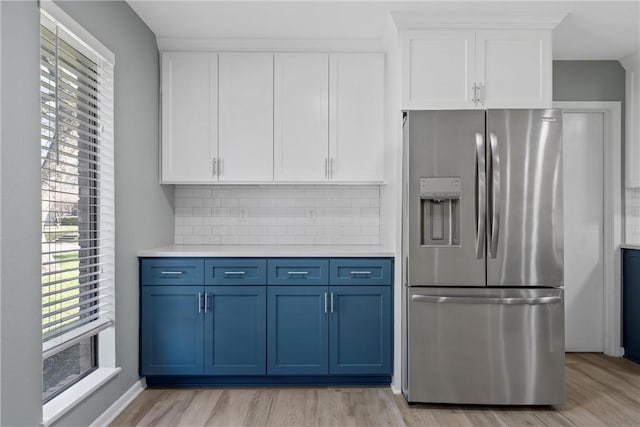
(245, 135)
(240, 117)
(514, 68)
(301, 120)
(356, 117)
(189, 117)
(457, 69)
(438, 69)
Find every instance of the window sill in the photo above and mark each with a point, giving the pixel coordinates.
(53, 410)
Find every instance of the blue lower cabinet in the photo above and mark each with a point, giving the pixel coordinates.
(360, 330)
(171, 330)
(235, 332)
(631, 304)
(297, 330)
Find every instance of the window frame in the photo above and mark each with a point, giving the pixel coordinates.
(104, 339)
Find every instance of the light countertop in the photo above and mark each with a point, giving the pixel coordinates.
(266, 251)
(630, 246)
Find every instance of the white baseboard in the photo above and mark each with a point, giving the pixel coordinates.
(118, 406)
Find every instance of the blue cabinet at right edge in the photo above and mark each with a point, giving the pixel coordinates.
(631, 304)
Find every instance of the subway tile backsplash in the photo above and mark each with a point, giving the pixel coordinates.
(282, 214)
(632, 216)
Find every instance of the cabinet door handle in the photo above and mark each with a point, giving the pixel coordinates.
(206, 301)
(221, 166)
(480, 96)
(171, 273)
(326, 168)
(331, 302)
(199, 302)
(474, 88)
(331, 165)
(325, 303)
(215, 166)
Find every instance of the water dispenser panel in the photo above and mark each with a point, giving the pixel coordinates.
(440, 211)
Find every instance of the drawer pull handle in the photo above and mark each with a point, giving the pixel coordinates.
(171, 273)
(298, 273)
(360, 273)
(234, 273)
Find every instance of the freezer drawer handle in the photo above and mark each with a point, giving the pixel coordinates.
(480, 300)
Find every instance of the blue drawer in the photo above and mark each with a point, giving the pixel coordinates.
(171, 271)
(360, 271)
(298, 271)
(235, 271)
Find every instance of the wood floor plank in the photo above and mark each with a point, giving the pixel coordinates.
(601, 391)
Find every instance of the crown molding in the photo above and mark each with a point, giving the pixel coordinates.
(421, 21)
(269, 45)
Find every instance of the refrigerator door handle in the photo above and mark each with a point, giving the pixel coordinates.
(480, 195)
(495, 195)
(481, 300)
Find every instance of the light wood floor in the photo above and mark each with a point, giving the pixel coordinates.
(601, 391)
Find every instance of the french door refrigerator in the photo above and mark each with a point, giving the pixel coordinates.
(483, 257)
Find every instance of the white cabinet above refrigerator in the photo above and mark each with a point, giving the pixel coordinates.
(469, 69)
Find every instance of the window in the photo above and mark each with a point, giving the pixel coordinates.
(76, 88)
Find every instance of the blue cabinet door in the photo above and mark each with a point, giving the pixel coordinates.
(297, 330)
(360, 330)
(171, 330)
(631, 305)
(235, 335)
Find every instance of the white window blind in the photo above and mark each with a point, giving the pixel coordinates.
(76, 87)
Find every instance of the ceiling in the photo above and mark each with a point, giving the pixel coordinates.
(590, 30)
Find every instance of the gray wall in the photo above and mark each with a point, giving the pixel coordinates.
(144, 211)
(20, 180)
(588, 81)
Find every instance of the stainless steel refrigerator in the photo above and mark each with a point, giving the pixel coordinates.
(483, 257)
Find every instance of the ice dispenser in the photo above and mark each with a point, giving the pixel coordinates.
(440, 211)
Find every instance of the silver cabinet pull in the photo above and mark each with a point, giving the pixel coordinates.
(480, 207)
(298, 273)
(444, 299)
(474, 88)
(331, 166)
(480, 93)
(356, 273)
(234, 273)
(332, 302)
(171, 273)
(495, 195)
(206, 301)
(199, 302)
(326, 167)
(221, 166)
(325, 303)
(215, 166)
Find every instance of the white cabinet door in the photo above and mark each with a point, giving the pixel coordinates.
(356, 116)
(514, 68)
(438, 69)
(189, 117)
(245, 146)
(301, 116)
